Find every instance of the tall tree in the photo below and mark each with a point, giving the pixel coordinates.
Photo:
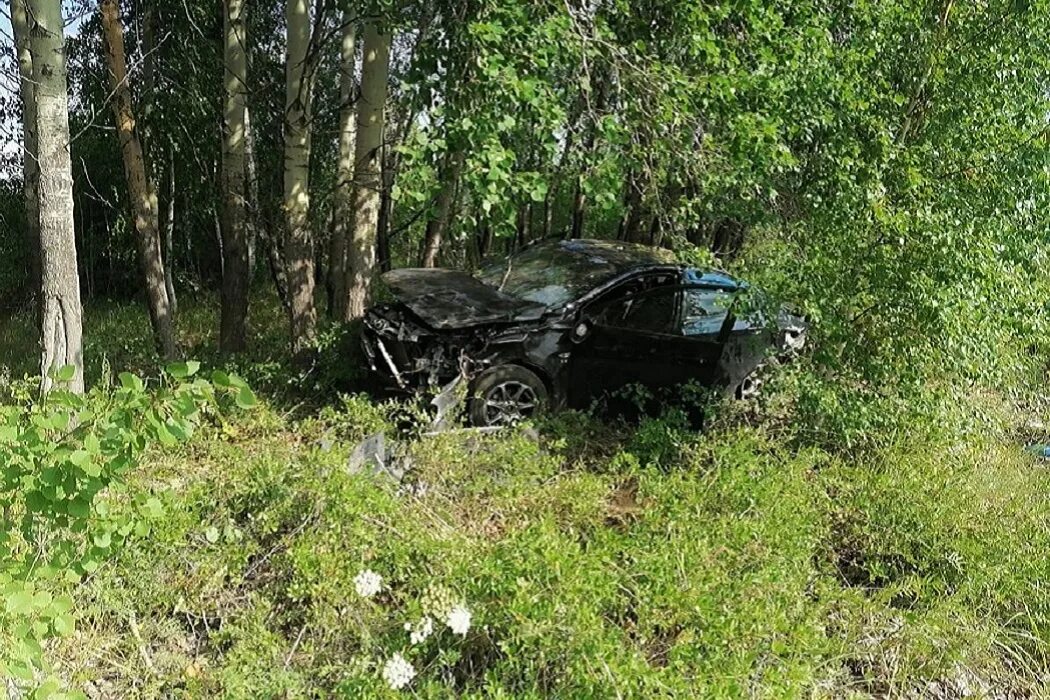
(30, 172)
(61, 316)
(299, 250)
(236, 276)
(142, 191)
(344, 193)
(361, 248)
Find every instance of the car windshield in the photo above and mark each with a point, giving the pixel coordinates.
(554, 274)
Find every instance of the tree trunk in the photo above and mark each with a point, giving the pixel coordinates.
(344, 193)
(141, 190)
(30, 172)
(483, 238)
(521, 223)
(634, 218)
(437, 226)
(389, 159)
(251, 173)
(235, 278)
(169, 239)
(579, 208)
(361, 251)
(61, 325)
(299, 252)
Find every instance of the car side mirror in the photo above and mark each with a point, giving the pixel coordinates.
(582, 330)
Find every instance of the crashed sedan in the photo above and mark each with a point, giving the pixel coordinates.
(566, 323)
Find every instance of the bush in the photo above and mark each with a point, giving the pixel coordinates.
(64, 458)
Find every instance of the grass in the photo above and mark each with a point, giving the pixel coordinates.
(597, 560)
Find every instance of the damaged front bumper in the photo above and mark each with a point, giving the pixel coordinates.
(405, 355)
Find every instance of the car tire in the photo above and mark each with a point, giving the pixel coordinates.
(505, 395)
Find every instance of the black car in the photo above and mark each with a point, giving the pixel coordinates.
(564, 323)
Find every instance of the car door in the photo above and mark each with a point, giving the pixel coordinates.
(628, 331)
(705, 324)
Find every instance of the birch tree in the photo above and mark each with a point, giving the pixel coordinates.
(235, 275)
(299, 76)
(141, 190)
(61, 327)
(361, 248)
(344, 194)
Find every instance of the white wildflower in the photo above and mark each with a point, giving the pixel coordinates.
(368, 583)
(398, 672)
(422, 630)
(459, 620)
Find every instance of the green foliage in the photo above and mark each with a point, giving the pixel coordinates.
(653, 562)
(64, 510)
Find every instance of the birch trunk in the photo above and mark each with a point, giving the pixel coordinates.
(361, 248)
(169, 239)
(299, 244)
(235, 273)
(344, 194)
(30, 172)
(61, 314)
(141, 191)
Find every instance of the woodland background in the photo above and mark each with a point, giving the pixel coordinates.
(869, 528)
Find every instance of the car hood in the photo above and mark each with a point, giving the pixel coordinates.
(448, 299)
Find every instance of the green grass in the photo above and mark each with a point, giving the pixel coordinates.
(597, 560)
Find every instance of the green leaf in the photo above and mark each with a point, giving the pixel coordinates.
(183, 370)
(130, 381)
(62, 604)
(246, 399)
(212, 534)
(64, 625)
(19, 602)
(65, 374)
(220, 378)
(79, 507)
(153, 508)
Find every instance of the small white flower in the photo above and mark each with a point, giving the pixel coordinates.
(368, 583)
(459, 620)
(421, 631)
(398, 672)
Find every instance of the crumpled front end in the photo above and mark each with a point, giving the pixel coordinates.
(407, 355)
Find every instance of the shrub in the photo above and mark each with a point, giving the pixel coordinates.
(64, 458)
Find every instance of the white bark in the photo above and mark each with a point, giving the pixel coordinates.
(61, 314)
(361, 248)
(235, 277)
(299, 244)
(344, 194)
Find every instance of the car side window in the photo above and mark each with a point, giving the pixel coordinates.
(705, 310)
(649, 312)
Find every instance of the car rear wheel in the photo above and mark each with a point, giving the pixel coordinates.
(505, 395)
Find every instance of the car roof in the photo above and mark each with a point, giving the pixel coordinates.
(630, 256)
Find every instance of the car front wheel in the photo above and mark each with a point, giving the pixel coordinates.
(505, 395)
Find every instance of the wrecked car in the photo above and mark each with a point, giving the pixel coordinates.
(568, 322)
